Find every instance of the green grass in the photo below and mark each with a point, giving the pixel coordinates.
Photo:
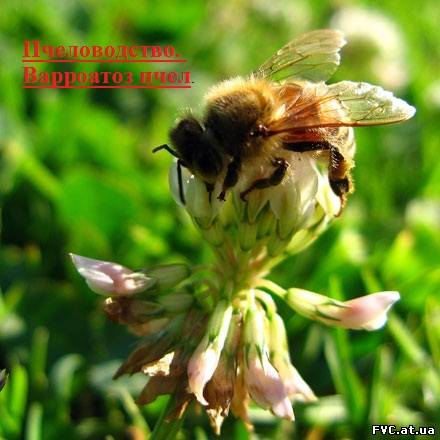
(77, 174)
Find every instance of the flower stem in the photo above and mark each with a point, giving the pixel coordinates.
(273, 287)
(268, 302)
(164, 429)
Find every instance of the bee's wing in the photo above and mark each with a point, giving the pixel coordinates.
(313, 56)
(345, 103)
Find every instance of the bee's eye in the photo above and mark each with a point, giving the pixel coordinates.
(259, 131)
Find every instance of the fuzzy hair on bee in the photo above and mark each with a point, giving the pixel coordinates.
(284, 106)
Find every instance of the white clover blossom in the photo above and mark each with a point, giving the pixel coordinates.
(204, 361)
(213, 333)
(296, 387)
(379, 42)
(299, 208)
(111, 279)
(263, 381)
(366, 312)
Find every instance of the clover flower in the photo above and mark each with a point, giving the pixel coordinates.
(378, 43)
(213, 334)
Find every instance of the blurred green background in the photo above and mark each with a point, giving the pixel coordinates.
(77, 175)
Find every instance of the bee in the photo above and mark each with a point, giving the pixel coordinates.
(284, 106)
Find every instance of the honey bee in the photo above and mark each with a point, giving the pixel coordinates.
(283, 106)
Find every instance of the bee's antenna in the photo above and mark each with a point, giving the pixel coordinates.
(167, 148)
(179, 177)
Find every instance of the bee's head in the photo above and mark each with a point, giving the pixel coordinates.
(232, 117)
(197, 149)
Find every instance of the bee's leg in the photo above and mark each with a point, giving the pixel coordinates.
(273, 180)
(210, 188)
(339, 175)
(231, 178)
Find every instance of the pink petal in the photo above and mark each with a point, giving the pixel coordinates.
(367, 312)
(110, 279)
(201, 368)
(266, 387)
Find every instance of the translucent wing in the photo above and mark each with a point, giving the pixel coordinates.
(345, 103)
(313, 56)
(365, 104)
